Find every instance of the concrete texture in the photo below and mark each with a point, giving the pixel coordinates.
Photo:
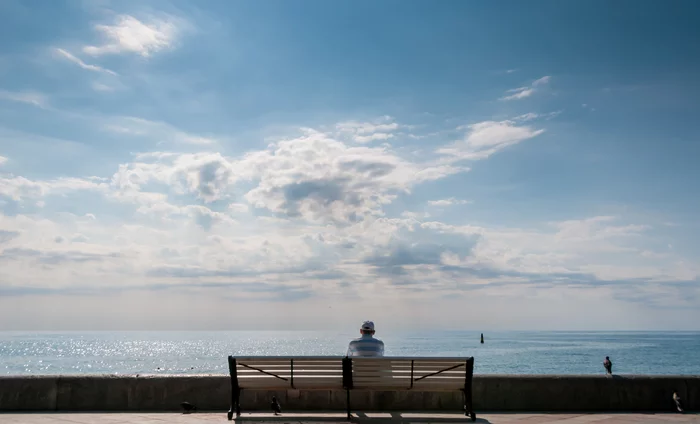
(491, 393)
(376, 418)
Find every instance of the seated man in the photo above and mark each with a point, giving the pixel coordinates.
(366, 345)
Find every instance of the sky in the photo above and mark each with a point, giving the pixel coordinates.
(277, 165)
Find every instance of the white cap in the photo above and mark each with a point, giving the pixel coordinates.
(368, 325)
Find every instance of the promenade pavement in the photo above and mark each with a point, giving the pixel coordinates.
(368, 418)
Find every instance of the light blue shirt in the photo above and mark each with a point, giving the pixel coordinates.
(366, 346)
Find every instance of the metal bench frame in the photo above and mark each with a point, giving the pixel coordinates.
(348, 381)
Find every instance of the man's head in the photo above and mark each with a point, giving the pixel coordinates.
(367, 328)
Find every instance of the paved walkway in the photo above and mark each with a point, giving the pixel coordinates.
(369, 418)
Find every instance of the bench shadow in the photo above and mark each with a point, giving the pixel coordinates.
(359, 417)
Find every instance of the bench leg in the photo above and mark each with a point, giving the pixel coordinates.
(238, 403)
(235, 404)
(468, 408)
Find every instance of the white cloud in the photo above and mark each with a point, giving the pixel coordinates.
(542, 81)
(373, 137)
(448, 202)
(210, 176)
(318, 177)
(519, 93)
(596, 246)
(523, 92)
(77, 61)
(29, 97)
(321, 233)
(160, 132)
(130, 35)
(238, 207)
(526, 117)
(3, 159)
(365, 132)
(367, 127)
(97, 86)
(530, 116)
(313, 177)
(18, 188)
(486, 138)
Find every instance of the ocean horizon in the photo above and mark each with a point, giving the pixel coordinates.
(205, 352)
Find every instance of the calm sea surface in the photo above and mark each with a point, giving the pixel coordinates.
(206, 352)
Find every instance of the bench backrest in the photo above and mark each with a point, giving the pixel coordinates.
(367, 373)
(288, 372)
(412, 373)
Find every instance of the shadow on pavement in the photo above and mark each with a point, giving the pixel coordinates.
(361, 417)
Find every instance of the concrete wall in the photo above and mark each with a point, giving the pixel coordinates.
(491, 393)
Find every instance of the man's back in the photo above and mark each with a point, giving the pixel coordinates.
(365, 346)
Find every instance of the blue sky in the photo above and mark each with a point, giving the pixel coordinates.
(171, 164)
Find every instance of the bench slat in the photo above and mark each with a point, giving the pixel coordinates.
(332, 383)
(286, 363)
(386, 359)
(408, 374)
(301, 385)
(280, 367)
(405, 364)
(288, 374)
(408, 369)
(456, 367)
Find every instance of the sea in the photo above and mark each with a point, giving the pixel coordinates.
(174, 352)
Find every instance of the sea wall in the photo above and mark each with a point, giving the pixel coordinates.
(490, 393)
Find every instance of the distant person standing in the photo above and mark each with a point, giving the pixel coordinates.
(366, 345)
(608, 365)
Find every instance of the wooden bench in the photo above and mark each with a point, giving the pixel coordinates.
(344, 373)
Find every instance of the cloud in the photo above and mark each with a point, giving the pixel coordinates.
(315, 219)
(486, 138)
(82, 64)
(160, 132)
(317, 177)
(6, 235)
(448, 202)
(373, 137)
(210, 176)
(202, 215)
(97, 86)
(53, 257)
(130, 35)
(542, 81)
(526, 117)
(79, 238)
(238, 207)
(523, 92)
(3, 160)
(365, 132)
(368, 127)
(19, 188)
(530, 116)
(561, 247)
(28, 97)
(519, 93)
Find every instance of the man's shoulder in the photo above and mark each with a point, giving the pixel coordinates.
(366, 340)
